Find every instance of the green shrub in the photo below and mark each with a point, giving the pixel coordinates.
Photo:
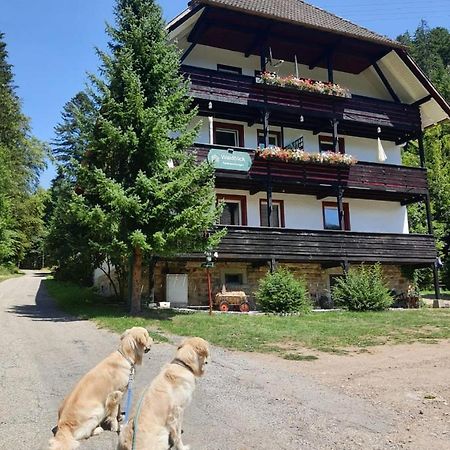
(362, 289)
(280, 292)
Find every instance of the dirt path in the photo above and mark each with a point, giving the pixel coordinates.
(245, 401)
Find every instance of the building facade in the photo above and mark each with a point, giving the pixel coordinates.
(280, 86)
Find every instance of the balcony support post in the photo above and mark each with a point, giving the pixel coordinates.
(421, 150)
(340, 207)
(437, 294)
(266, 115)
(330, 67)
(334, 125)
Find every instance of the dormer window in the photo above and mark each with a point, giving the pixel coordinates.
(229, 134)
(229, 69)
(326, 144)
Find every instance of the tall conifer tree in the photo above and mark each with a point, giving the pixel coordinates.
(137, 176)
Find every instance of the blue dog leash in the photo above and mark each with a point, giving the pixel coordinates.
(129, 388)
(129, 394)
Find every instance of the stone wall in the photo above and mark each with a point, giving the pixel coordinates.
(316, 277)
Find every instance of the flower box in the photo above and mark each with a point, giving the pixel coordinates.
(303, 84)
(302, 157)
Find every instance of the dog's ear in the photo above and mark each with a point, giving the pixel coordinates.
(124, 334)
(143, 339)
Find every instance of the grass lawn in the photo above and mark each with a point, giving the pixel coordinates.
(6, 274)
(327, 331)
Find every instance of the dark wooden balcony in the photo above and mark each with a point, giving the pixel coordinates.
(362, 180)
(288, 245)
(239, 97)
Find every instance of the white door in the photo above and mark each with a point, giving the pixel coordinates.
(177, 288)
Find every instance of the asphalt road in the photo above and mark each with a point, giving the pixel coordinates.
(245, 401)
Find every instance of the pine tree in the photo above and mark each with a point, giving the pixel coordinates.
(136, 177)
(21, 159)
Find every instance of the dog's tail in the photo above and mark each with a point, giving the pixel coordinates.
(63, 440)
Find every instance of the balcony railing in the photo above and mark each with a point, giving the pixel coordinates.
(364, 179)
(211, 85)
(263, 244)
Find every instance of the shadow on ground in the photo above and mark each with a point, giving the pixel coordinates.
(44, 307)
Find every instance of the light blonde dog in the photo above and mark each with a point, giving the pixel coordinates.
(96, 397)
(159, 414)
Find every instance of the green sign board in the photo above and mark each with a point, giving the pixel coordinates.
(229, 159)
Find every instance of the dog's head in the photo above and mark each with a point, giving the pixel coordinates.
(134, 342)
(195, 353)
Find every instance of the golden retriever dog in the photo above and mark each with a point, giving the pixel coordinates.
(159, 413)
(95, 399)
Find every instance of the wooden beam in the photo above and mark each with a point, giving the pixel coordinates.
(422, 100)
(421, 150)
(330, 67)
(386, 82)
(340, 206)
(325, 54)
(187, 52)
(200, 27)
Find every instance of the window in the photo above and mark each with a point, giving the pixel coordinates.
(274, 139)
(326, 144)
(277, 213)
(229, 134)
(229, 69)
(233, 278)
(234, 210)
(331, 217)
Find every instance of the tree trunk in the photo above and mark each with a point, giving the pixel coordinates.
(136, 283)
(151, 279)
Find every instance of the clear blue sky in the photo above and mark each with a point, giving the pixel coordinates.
(51, 43)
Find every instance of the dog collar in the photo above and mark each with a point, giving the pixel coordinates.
(128, 359)
(183, 364)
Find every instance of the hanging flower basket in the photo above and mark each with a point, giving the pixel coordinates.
(303, 84)
(300, 156)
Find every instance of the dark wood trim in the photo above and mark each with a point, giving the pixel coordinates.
(200, 26)
(422, 100)
(386, 83)
(254, 244)
(242, 199)
(346, 209)
(230, 126)
(187, 52)
(280, 203)
(329, 140)
(229, 69)
(426, 83)
(183, 19)
(421, 150)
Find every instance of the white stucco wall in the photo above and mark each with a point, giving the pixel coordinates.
(362, 149)
(305, 212)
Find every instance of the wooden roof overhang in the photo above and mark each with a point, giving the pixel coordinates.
(252, 35)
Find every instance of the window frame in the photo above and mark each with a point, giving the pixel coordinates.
(242, 200)
(229, 126)
(323, 139)
(280, 204)
(260, 132)
(346, 207)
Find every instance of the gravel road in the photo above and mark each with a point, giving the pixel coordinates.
(245, 401)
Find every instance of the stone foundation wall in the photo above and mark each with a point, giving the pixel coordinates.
(316, 277)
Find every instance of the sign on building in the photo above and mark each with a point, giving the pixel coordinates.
(230, 160)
